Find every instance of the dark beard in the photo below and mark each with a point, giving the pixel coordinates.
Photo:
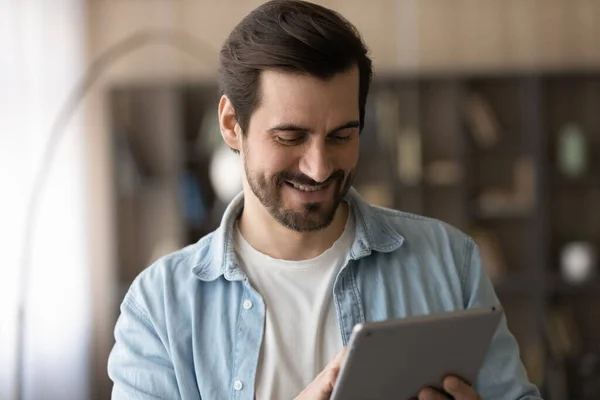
(315, 216)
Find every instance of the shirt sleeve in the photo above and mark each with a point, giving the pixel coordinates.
(502, 376)
(139, 364)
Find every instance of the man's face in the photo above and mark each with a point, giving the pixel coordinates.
(301, 148)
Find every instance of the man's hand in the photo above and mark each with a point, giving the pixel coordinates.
(458, 389)
(322, 386)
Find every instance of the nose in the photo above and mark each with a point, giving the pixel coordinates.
(316, 162)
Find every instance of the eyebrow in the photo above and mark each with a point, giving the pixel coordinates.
(297, 128)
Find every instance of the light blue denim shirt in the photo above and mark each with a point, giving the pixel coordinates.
(191, 325)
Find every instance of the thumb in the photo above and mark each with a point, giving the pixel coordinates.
(459, 389)
(339, 358)
(332, 370)
(322, 386)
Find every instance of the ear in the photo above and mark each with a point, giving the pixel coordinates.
(230, 129)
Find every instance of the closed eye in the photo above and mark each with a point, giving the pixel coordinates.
(343, 136)
(289, 140)
(340, 138)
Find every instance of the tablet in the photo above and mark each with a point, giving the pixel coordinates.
(395, 359)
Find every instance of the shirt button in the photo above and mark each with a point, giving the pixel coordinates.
(238, 385)
(247, 305)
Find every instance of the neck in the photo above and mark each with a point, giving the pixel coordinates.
(270, 237)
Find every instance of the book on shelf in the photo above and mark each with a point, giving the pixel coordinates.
(482, 120)
(516, 202)
(533, 361)
(408, 145)
(563, 334)
(524, 182)
(572, 150)
(496, 203)
(492, 256)
(444, 173)
(387, 118)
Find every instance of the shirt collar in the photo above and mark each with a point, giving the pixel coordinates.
(217, 255)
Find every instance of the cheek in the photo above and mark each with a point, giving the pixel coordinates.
(271, 160)
(348, 159)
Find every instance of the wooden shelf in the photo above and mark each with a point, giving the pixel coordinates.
(530, 109)
(515, 285)
(587, 182)
(505, 214)
(424, 185)
(508, 151)
(558, 286)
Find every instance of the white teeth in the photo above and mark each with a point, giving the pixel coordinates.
(307, 188)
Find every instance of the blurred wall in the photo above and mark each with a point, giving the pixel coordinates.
(404, 35)
(43, 49)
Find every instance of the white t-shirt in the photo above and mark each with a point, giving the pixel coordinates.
(302, 334)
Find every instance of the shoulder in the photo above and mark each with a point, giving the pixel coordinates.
(413, 226)
(440, 244)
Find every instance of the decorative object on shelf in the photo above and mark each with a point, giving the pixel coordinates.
(572, 151)
(377, 194)
(137, 166)
(387, 115)
(578, 262)
(492, 257)
(482, 121)
(225, 173)
(498, 202)
(563, 333)
(444, 173)
(129, 178)
(524, 173)
(410, 168)
(192, 199)
(533, 361)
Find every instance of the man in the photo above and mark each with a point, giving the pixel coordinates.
(264, 306)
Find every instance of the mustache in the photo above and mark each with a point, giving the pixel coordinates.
(301, 179)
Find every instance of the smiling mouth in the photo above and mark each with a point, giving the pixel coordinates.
(307, 188)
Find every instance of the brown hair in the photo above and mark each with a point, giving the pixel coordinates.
(289, 35)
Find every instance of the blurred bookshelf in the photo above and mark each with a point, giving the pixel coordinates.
(512, 159)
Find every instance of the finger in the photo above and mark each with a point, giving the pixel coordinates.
(328, 380)
(333, 367)
(339, 358)
(431, 394)
(330, 373)
(321, 388)
(459, 389)
(323, 384)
